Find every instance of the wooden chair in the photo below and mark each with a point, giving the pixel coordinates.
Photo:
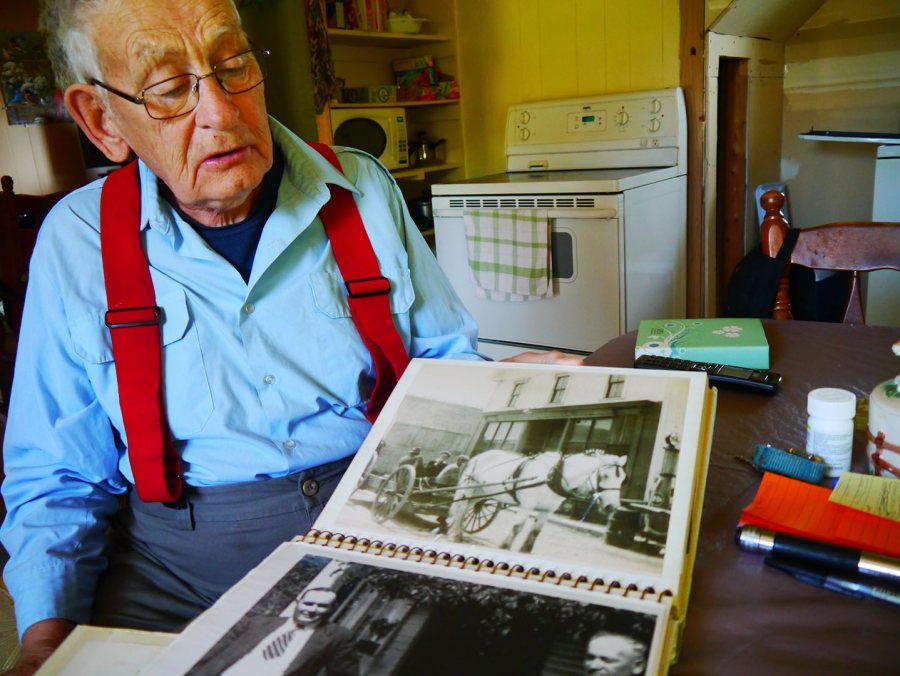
(20, 218)
(852, 246)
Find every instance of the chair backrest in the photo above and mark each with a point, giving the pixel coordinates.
(20, 218)
(858, 246)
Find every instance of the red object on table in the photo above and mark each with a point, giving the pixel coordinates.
(786, 505)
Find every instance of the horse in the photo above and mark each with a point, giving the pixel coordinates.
(536, 486)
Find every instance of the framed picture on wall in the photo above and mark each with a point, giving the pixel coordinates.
(30, 94)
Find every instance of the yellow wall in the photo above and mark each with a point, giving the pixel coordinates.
(511, 51)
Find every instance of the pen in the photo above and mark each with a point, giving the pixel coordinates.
(841, 585)
(827, 557)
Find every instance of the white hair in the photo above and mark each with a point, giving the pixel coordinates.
(68, 28)
(67, 25)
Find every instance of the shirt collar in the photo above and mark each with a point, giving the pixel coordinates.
(305, 165)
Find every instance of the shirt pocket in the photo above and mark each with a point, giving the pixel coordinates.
(189, 402)
(330, 294)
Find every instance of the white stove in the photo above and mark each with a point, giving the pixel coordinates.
(611, 172)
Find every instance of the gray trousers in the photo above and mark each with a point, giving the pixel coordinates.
(171, 561)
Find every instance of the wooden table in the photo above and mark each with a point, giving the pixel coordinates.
(743, 617)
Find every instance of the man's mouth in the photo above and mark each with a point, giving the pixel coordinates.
(225, 157)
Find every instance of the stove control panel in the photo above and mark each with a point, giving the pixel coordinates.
(645, 124)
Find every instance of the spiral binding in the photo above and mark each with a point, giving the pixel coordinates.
(448, 560)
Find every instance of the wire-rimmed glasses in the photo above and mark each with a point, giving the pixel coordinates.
(179, 95)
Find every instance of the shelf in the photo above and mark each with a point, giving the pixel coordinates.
(418, 173)
(851, 136)
(340, 36)
(395, 104)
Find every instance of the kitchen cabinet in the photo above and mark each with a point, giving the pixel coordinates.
(364, 58)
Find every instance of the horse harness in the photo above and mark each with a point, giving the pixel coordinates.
(555, 480)
(134, 321)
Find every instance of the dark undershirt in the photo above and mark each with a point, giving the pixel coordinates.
(237, 242)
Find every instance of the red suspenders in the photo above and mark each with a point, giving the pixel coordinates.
(367, 291)
(134, 322)
(134, 327)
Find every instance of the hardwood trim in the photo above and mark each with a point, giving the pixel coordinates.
(732, 186)
(323, 126)
(691, 79)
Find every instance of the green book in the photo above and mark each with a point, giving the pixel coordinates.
(738, 342)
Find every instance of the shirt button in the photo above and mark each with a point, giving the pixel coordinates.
(269, 379)
(289, 444)
(310, 487)
(249, 308)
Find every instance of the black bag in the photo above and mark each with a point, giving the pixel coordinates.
(754, 281)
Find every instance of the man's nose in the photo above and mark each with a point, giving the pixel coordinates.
(215, 107)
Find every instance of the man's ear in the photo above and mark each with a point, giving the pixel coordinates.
(86, 108)
(640, 666)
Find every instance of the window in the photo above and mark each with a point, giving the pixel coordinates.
(587, 433)
(503, 435)
(615, 386)
(559, 389)
(514, 395)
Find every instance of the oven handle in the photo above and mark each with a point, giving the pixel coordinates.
(551, 213)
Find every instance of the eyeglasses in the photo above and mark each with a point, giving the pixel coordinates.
(179, 95)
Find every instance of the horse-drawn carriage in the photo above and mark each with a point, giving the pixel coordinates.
(419, 496)
(534, 485)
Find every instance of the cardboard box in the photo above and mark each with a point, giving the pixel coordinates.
(418, 76)
(738, 342)
(413, 63)
(375, 94)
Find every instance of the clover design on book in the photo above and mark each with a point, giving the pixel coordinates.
(729, 331)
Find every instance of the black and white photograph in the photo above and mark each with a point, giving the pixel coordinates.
(336, 617)
(551, 462)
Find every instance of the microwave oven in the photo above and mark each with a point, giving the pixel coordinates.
(381, 132)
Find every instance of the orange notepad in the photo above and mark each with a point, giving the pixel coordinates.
(789, 506)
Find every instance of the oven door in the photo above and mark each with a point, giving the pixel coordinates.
(586, 309)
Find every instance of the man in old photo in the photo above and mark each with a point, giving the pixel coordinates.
(304, 642)
(611, 653)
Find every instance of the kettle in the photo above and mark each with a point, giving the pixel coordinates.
(424, 151)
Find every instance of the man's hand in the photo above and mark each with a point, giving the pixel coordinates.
(552, 357)
(38, 642)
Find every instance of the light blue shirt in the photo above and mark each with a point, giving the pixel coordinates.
(262, 379)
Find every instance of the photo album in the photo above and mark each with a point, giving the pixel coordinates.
(500, 518)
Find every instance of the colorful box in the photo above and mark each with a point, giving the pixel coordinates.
(738, 342)
(413, 63)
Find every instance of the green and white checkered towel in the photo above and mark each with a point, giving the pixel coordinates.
(509, 253)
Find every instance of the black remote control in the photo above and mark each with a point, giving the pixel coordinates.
(720, 374)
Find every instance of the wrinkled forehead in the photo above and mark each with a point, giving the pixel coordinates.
(138, 35)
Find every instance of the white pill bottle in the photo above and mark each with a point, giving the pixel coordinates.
(829, 428)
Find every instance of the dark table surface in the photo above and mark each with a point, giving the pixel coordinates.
(743, 617)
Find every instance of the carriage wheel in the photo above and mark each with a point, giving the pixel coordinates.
(480, 514)
(393, 493)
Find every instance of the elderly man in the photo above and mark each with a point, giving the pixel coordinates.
(264, 374)
(610, 653)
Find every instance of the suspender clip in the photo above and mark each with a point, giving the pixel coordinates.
(368, 286)
(131, 317)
